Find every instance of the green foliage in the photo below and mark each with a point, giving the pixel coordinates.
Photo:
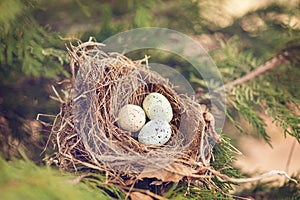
(29, 55)
(234, 59)
(12, 11)
(247, 106)
(131, 14)
(180, 191)
(96, 181)
(274, 94)
(224, 155)
(185, 15)
(144, 14)
(28, 49)
(22, 179)
(283, 98)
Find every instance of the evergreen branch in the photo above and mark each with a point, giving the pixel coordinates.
(269, 65)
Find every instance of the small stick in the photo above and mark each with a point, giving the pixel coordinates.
(130, 189)
(44, 115)
(247, 180)
(57, 95)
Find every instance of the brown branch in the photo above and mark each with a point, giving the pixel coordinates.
(256, 178)
(269, 65)
(288, 162)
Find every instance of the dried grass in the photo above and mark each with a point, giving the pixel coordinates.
(86, 136)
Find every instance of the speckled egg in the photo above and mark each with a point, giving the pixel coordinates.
(157, 106)
(155, 132)
(131, 118)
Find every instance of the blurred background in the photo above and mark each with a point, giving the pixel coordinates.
(263, 114)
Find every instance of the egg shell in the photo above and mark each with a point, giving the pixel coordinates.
(155, 132)
(157, 106)
(131, 118)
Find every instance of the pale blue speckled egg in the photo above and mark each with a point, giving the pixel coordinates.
(155, 132)
(157, 106)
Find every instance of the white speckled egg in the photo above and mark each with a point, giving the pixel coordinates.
(131, 118)
(157, 106)
(155, 132)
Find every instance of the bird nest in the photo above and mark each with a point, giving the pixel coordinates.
(86, 134)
